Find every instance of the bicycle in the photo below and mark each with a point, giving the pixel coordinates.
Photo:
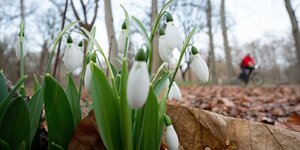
(256, 78)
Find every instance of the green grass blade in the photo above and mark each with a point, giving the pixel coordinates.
(4, 103)
(125, 111)
(4, 145)
(73, 97)
(160, 83)
(142, 30)
(150, 129)
(3, 88)
(106, 109)
(35, 107)
(15, 124)
(58, 113)
(36, 83)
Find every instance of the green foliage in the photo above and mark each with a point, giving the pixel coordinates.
(73, 98)
(35, 108)
(58, 114)
(14, 131)
(3, 87)
(106, 108)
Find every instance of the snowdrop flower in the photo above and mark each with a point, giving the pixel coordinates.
(174, 92)
(199, 66)
(171, 135)
(73, 56)
(88, 78)
(138, 82)
(164, 51)
(173, 38)
(122, 38)
(18, 47)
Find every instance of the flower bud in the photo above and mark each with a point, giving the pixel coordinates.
(174, 92)
(173, 37)
(138, 83)
(164, 52)
(88, 78)
(171, 135)
(18, 47)
(199, 66)
(122, 38)
(73, 56)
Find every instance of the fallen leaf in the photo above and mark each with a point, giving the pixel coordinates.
(86, 136)
(200, 129)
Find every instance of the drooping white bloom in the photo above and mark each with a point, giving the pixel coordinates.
(18, 48)
(88, 78)
(164, 52)
(199, 67)
(173, 38)
(138, 85)
(73, 57)
(174, 92)
(171, 138)
(122, 41)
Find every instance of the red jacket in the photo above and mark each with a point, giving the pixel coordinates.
(248, 62)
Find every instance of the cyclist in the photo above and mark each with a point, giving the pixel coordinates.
(247, 66)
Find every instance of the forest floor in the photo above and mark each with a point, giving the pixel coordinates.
(279, 106)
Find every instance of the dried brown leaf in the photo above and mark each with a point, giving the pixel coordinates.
(200, 129)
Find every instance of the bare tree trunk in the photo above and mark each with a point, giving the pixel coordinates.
(226, 45)
(156, 59)
(44, 55)
(295, 30)
(111, 34)
(211, 56)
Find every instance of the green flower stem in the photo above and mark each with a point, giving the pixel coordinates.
(185, 45)
(115, 91)
(56, 43)
(153, 31)
(22, 68)
(127, 30)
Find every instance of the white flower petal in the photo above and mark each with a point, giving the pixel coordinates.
(173, 37)
(18, 48)
(73, 57)
(88, 78)
(199, 67)
(122, 41)
(175, 92)
(138, 85)
(164, 52)
(171, 138)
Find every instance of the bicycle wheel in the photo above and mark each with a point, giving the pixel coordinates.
(257, 79)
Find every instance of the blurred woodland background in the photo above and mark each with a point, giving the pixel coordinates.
(278, 54)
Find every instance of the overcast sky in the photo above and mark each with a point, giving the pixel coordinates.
(252, 20)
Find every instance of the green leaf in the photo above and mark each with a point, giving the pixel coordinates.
(114, 70)
(146, 121)
(161, 112)
(142, 30)
(118, 83)
(3, 88)
(5, 102)
(160, 83)
(106, 109)
(35, 108)
(150, 129)
(36, 83)
(4, 145)
(73, 97)
(15, 124)
(125, 111)
(58, 113)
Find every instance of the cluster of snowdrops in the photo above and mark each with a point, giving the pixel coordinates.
(129, 106)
